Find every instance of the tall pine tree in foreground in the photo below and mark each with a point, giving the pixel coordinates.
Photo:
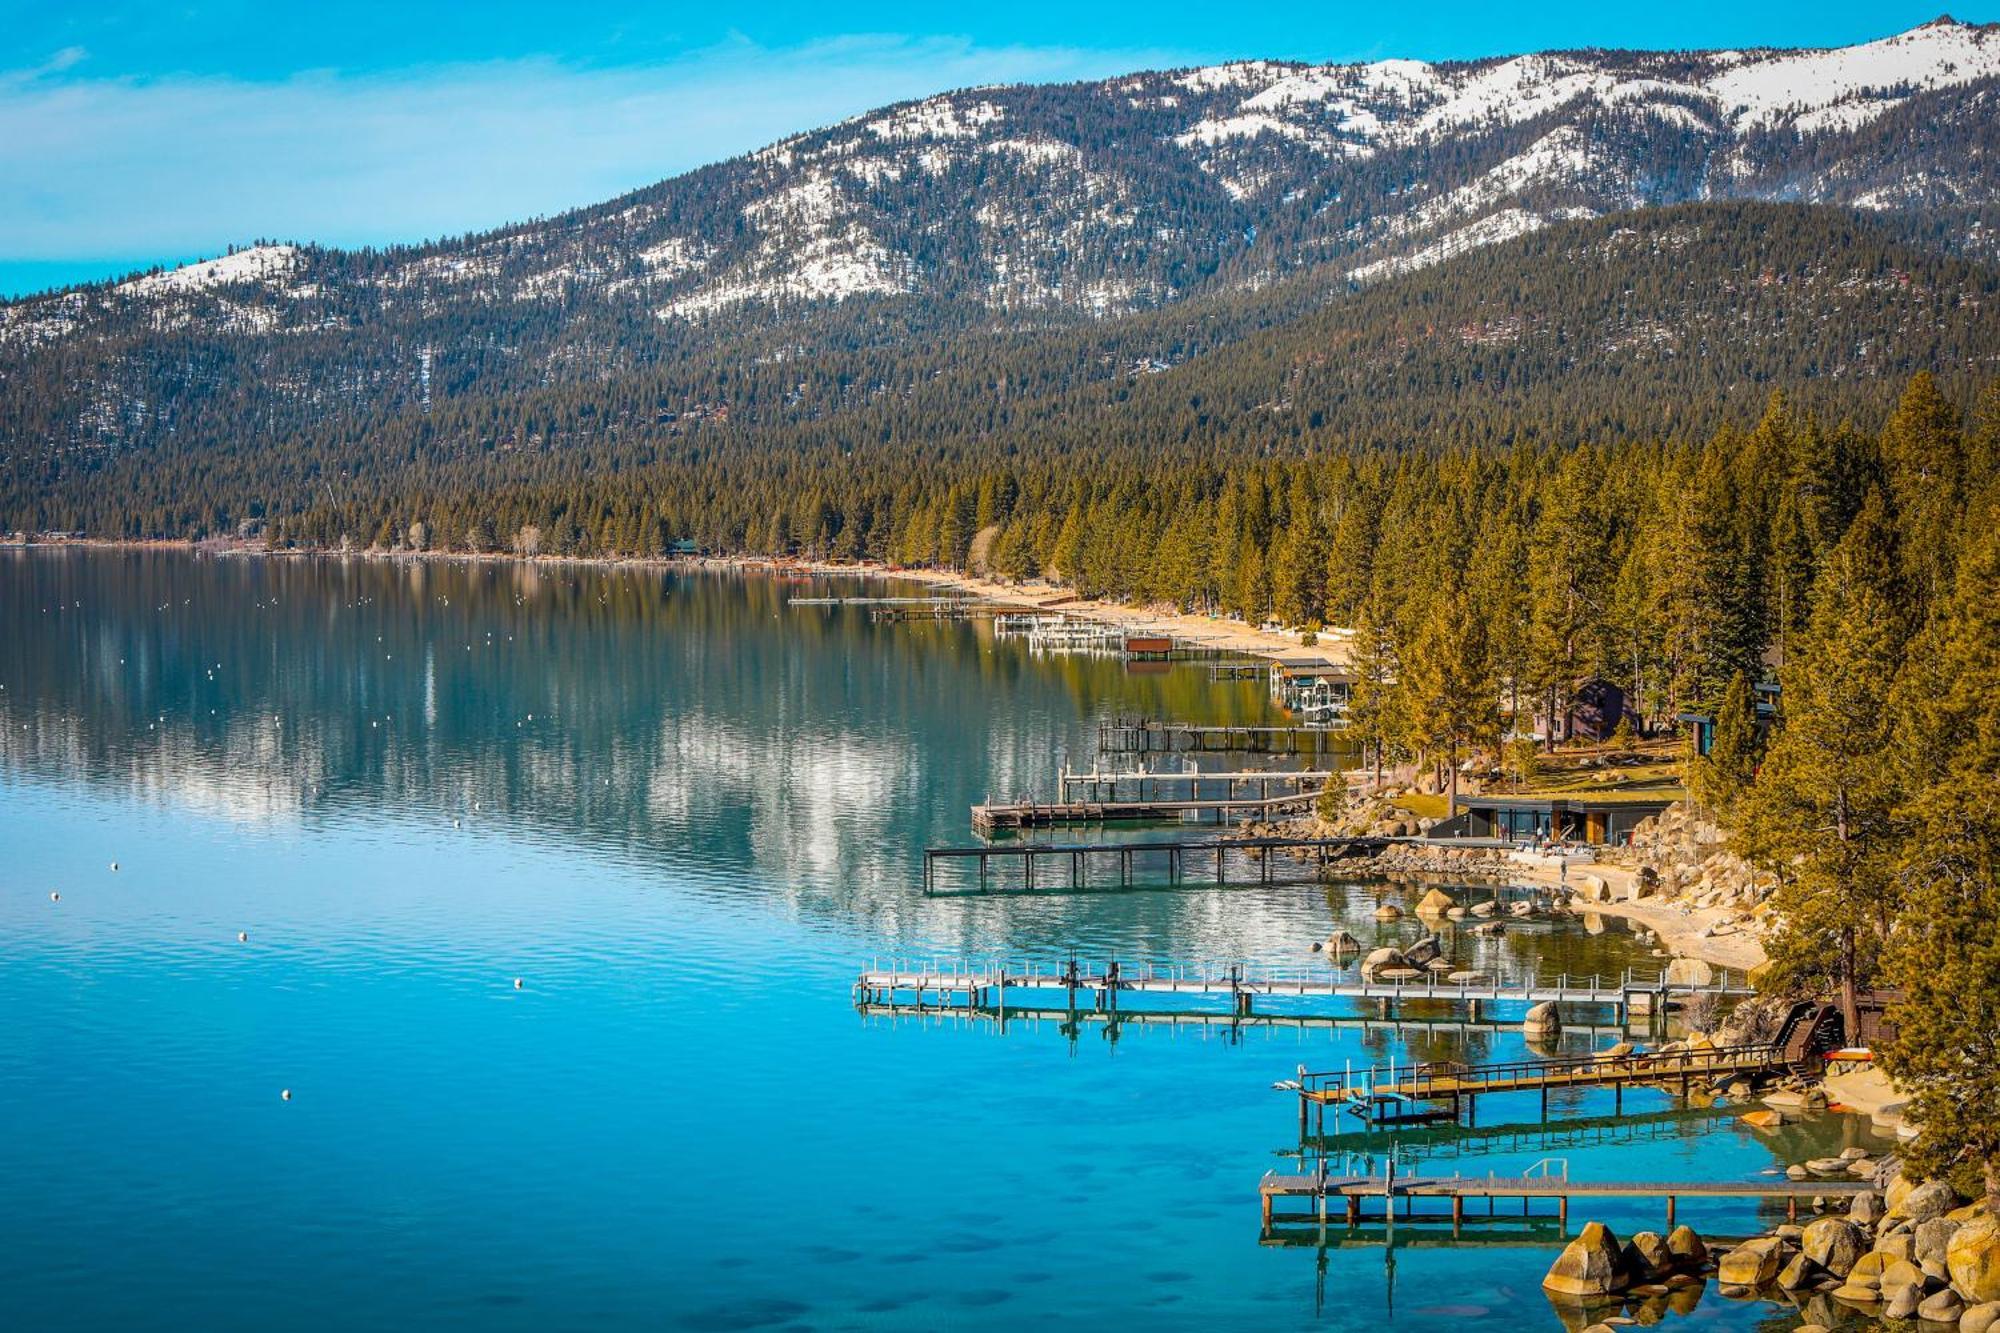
(1823, 814)
(1372, 712)
(1945, 953)
(1452, 700)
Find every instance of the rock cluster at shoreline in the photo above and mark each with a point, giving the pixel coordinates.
(1904, 1250)
(1680, 859)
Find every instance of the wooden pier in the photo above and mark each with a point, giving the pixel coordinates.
(993, 868)
(1352, 1197)
(1443, 1091)
(884, 601)
(1149, 737)
(1234, 784)
(988, 818)
(1015, 1013)
(968, 986)
(954, 610)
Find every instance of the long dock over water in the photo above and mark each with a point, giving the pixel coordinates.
(1235, 1024)
(1148, 785)
(1083, 866)
(1149, 737)
(987, 818)
(1352, 1196)
(989, 985)
(1443, 1090)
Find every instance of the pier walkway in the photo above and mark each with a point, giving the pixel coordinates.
(974, 986)
(1034, 1015)
(884, 601)
(1149, 737)
(1441, 1090)
(1166, 863)
(1036, 814)
(1147, 785)
(1349, 1196)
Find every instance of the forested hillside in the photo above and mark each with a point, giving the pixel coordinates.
(1657, 325)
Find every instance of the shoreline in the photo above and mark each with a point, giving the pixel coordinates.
(1196, 630)
(1683, 933)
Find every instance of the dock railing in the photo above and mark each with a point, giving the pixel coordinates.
(958, 975)
(1445, 1079)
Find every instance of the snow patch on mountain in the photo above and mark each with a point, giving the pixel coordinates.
(1937, 55)
(938, 118)
(258, 263)
(1490, 230)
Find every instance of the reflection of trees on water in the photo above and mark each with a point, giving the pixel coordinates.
(686, 718)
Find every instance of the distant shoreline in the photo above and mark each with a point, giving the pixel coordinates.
(1198, 630)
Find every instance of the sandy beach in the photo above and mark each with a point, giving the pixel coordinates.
(1203, 631)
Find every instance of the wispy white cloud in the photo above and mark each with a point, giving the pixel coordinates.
(175, 166)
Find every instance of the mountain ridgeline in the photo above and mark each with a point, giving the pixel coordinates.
(1250, 260)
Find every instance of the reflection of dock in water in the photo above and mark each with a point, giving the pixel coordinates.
(1038, 1016)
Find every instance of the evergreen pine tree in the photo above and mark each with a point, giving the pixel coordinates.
(1823, 812)
(1945, 952)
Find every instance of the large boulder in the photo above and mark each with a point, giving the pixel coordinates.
(1424, 951)
(1798, 1274)
(1834, 1243)
(1543, 1020)
(1690, 972)
(1646, 1255)
(1342, 942)
(1684, 1245)
(1931, 1199)
(1901, 1302)
(1929, 1239)
(1754, 1263)
(1941, 1307)
(1981, 1318)
(1866, 1210)
(1973, 1258)
(1381, 960)
(1435, 903)
(1589, 1265)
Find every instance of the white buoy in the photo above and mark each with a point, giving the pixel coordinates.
(55, 897)
(242, 937)
(114, 865)
(285, 1096)
(517, 983)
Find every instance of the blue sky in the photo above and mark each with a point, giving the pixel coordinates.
(134, 133)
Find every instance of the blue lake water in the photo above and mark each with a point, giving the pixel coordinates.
(684, 815)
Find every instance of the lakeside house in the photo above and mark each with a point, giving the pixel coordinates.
(1701, 726)
(1594, 821)
(1595, 708)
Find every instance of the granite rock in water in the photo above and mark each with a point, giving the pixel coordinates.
(1754, 1263)
(1589, 1265)
(1834, 1243)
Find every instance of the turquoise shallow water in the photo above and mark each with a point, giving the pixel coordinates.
(684, 816)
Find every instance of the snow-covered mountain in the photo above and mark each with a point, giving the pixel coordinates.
(1033, 205)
